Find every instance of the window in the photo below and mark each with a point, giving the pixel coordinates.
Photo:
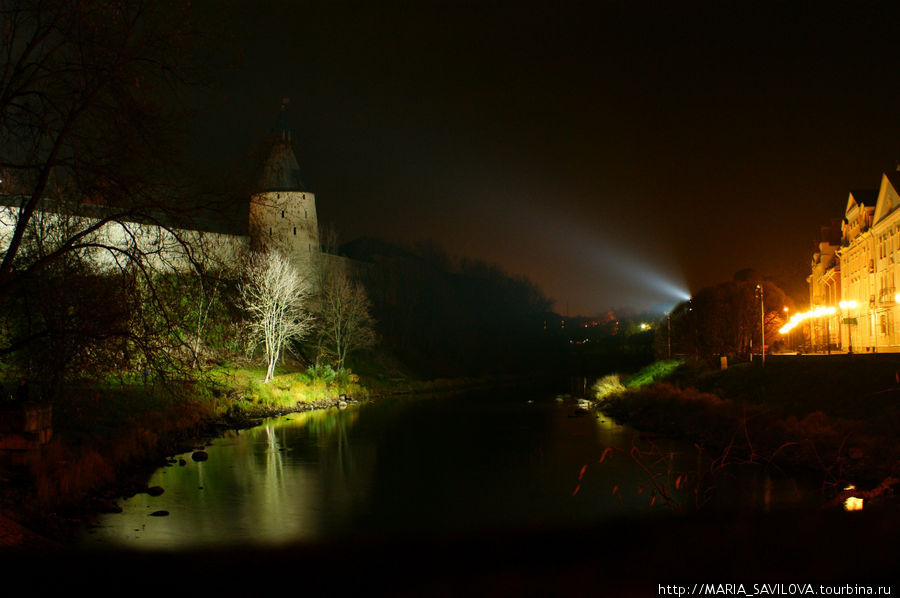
(295, 231)
(282, 213)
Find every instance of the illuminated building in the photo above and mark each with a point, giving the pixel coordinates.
(869, 258)
(825, 289)
(858, 269)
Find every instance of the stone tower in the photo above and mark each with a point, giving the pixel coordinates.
(283, 211)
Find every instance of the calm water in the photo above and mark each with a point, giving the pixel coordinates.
(461, 463)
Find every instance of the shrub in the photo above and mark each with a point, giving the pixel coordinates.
(607, 386)
(323, 372)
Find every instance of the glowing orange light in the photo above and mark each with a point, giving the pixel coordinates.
(853, 503)
(796, 319)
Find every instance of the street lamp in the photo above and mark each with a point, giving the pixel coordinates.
(762, 323)
(848, 305)
(787, 310)
(669, 333)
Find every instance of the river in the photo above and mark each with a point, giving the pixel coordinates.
(429, 467)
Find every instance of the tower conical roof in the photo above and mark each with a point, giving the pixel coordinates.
(281, 171)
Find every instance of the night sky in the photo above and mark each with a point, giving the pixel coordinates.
(619, 154)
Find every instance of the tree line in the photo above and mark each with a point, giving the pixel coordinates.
(451, 316)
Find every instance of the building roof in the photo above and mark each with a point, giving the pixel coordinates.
(281, 171)
(893, 178)
(867, 197)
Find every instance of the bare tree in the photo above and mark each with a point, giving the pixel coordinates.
(91, 110)
(275, 296)
(343, 322)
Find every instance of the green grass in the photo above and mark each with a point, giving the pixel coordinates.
(287, 389)
(655, 372)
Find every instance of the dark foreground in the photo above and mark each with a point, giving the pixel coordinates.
(629, 558)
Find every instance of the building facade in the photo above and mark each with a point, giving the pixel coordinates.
(868, 305)
(825, 288)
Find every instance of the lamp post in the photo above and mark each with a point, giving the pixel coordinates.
(846, 306)
(787, 310)
(669, 334)
(762, 323)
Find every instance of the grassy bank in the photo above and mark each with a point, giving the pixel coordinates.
(108, 438)
(836, 415)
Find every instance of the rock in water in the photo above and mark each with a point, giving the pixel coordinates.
(155, 490)
(159, 514)
(200, 456)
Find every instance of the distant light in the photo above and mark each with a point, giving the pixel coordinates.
(645, 326)
(797, 318)
(853, 503)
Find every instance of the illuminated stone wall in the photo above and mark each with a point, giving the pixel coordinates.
(286, 221)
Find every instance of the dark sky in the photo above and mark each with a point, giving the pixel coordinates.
(610, 151)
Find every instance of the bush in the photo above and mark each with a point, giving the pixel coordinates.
(323, 372)
(607, 386)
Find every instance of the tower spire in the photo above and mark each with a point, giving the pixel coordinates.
(283, 132)
(281, 171)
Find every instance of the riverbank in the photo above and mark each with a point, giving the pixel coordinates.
(836, 416)
(109, 440)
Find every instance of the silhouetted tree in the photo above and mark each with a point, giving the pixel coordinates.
(90, 111)
(725, 319)
(342, 320)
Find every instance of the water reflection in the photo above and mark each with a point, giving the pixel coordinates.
(268, 485)
(469, 462)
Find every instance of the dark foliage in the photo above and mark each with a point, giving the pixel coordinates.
(447, 317)
(725, 319)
